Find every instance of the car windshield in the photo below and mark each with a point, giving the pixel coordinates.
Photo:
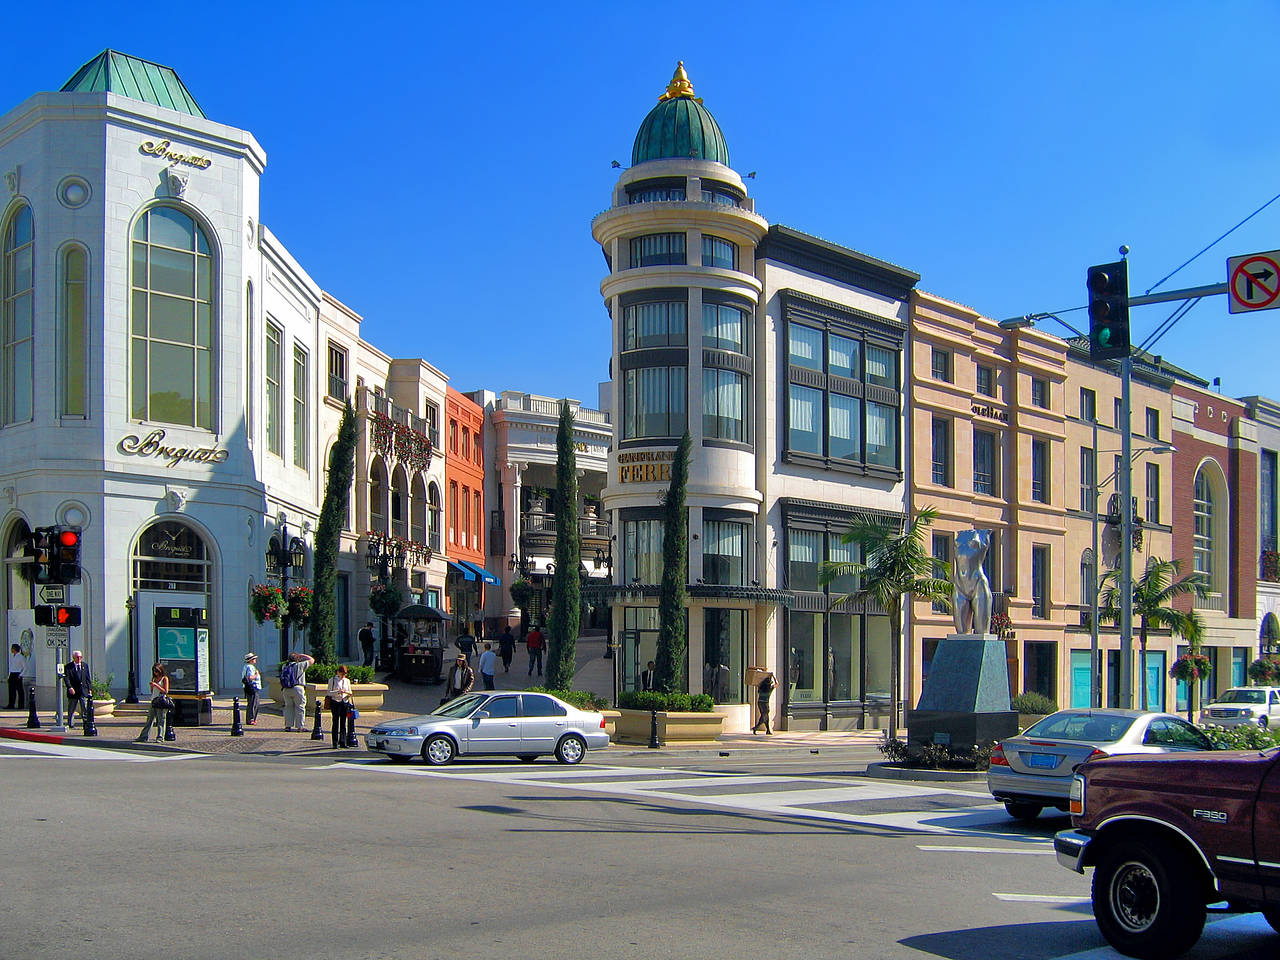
(1090, 727)
(458, 708)
(1244, 696)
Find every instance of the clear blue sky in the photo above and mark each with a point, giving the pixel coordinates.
(436, 166)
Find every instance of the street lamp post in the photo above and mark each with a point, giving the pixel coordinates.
(382, 558)
(131, 696)
(285, 558)
(604, 561)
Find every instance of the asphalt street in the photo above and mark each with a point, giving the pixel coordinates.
(125, 854)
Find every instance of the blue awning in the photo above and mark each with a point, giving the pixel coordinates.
(484, 575)
(460, 569)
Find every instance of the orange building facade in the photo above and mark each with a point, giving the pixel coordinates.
(464, 516)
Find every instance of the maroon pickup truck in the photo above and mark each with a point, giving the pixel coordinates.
(1170, 834)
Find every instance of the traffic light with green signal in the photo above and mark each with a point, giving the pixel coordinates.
(1108, 285)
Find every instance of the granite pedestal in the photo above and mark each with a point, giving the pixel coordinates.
(965, 700)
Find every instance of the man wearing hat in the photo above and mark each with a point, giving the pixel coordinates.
(461, 678)
(252, 680)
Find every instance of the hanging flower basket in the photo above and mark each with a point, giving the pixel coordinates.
(409, 446)
(1001, 625)
(1271, 566)
(1265, 671)
(300, 603)
(267, 603)
(1189, 667)
(385, 599)
(521, 593)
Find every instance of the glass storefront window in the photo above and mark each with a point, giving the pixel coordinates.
(844, 656)
(724, 552)
(723, 327)
(640, 645)
(879, 644)
(1041, 661)
(804, 674)
(724, 651)
(654, 324)
(805, 554)
(642, 550)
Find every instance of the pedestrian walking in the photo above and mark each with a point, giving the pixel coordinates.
(17, 667)
(488, 666)
(292, 677)
(75, 676)
(763, 691)
(251, 679)
(536, 644)
(460, 680)
(161, 704)
(366, 638)
(647, 677)
(506, 649)
(340, 704)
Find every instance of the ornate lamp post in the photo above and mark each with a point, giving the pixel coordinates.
(286, 557)
(131, 604)
(604, 561)
(382, 558)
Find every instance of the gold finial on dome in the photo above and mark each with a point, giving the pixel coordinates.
(679, 86)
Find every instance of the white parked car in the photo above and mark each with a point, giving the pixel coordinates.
(1241, 705)
(526, 725)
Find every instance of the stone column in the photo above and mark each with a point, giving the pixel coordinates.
(511, 506)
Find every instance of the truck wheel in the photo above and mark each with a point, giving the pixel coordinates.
(1022, 811)
(1146, 902)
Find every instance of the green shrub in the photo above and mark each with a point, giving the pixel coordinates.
(1032, 702)
(582, 699)
(895, 750)
(100, 689)
(323, 672)
(1244, 737)
(936, 756)
(675, 702)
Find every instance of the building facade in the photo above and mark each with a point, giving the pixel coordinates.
(464, 512)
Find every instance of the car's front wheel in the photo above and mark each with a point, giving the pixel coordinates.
(571, 749)
(1146, 902)
(1021, 810)
(438, 750)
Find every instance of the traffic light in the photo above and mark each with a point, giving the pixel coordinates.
(1108, 285)
(57, 616)
(68, 555)
(43, 552)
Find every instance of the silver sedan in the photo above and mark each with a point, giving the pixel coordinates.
(526, 725)
(1033, 770)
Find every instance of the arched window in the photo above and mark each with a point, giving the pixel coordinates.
(17, 306)
(433, 518)
(73, 333)
(171, 556)
(399, 503)
(1203, 536)
(378, 498)
(171, 344)
(1088, 578)
(418, 510)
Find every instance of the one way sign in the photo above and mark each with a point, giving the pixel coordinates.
(1253, 282)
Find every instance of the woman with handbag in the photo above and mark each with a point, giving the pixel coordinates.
(339, 696)
(160, 705)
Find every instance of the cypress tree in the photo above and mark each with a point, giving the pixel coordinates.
(672, 643)
(337, 490)
(563, 623)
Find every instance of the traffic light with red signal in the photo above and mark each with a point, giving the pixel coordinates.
(68, 555)
(57, 616)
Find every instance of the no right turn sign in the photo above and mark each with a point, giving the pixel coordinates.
(1253, 282)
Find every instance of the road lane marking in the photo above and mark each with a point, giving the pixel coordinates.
(67, 751)
(939, 848)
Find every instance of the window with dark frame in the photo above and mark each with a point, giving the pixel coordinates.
(658, 249)
(985, 447)
(1153, 423)
(942, 451)
(1088, 477)
(1040, 393)
(941, 365)
(1153, 493)
(1088, 405)
(941, 557)
(718, 252)
(1039, 581)
(337, 372)
(986, 380)
(1039, 470)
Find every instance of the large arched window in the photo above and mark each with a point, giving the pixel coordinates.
(399, 503)
(17, 307)
(418, 510)
(73, 332)
(171, 355)
(378, 497)
(1204, 532)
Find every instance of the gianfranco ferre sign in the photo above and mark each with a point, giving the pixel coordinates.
(164, 149)
(645, 466)
(153, 445)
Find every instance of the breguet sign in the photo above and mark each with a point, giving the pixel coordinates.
(645, 466)
(165, 150)
(153, 445)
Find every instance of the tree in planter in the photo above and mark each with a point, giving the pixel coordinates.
(566, 587)
(896, 564)
(673, 591)
(337, 489)
(1153, 596)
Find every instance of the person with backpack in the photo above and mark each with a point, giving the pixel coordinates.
(293, 674)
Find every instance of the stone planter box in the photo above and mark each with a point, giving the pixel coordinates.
(632, 726)
(367, 696)
(103, 708)
(611, 724)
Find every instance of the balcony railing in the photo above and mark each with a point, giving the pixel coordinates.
(543, 521)
(337, 387)
(551, 408)
(384, 405)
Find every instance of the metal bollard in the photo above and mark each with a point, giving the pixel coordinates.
(353, 742)
(317, 733)
(653, 730)
(86, 708)
(170, 734)
(237, 729)
(33, 721)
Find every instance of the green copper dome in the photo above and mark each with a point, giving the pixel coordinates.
(679, 127)
(115, 72)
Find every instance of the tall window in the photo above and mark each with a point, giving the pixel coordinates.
(724, 404)
(453, 512)
(1153, 423)
(73, 333)
(172, 320)
(724, 327)
(941, 365)
(804, 558)
(1153, 492)
(1088, 578)
(274, 376)
(941, 557)
(942, 451)
(642, 551)
(477, 513)
(1267, 500)
(1039, 470)
(984, 462)
(433, 424)
(1088, 405)
(658, 249)
(724, 552)
(1040, 393)
(337, 371)
(986, 380)
(1203, 534)
(1088, 477)
(464, 525)
(654, 324)
(466, 443)
(654, 402)
(1119, 413)
(1039, 582)
(719, 253)
(301, 378)
(17, 315)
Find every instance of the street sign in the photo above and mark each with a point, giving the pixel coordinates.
(53, 593)
(1253, 282)
(56, 636)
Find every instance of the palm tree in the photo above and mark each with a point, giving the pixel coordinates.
(896, 564)
(1153, 596)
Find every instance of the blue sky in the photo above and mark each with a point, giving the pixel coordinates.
(437, 166)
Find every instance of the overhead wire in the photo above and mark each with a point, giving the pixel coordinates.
(1215, 243)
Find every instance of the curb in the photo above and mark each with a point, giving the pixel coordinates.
(885, 771)
(11, 733)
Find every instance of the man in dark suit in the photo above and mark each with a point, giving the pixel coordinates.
(646, 677)
(75, 675)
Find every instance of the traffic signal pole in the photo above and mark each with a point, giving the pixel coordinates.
(1126, 540)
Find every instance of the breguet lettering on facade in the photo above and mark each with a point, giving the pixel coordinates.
(645, 466)
(163, 149)
(152, 445)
